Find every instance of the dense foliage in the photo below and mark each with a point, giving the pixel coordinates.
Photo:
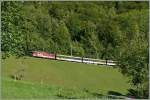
(106, 30)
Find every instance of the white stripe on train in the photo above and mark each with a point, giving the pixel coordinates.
(73, 59)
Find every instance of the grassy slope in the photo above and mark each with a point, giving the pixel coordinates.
(68, 74)
(27, 90)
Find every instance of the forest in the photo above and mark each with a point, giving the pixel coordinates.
(116, 30)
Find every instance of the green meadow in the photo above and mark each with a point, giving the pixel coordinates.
(45, 78)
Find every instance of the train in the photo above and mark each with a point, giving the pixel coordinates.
(72, 58)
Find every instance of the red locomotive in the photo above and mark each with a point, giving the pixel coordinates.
(43, 55)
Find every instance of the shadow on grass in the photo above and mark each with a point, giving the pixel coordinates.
(110, 94)
(114, 93)
(132, 92)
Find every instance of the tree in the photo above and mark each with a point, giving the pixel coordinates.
(11, 29)
(133, 59)
(62, 38)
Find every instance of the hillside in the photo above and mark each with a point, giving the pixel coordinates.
(11, 89)
(114, 30)
(99, 79)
